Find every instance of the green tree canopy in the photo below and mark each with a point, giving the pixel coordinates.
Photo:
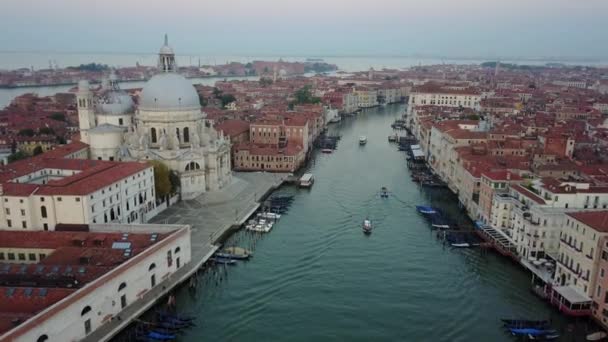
(57, 117)
(304, 96)
(17, 156)
(46, 130)
(162, 181)
(26, 132)
(226, 99)
(37, 150)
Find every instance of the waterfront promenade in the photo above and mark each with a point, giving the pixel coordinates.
(210, 216)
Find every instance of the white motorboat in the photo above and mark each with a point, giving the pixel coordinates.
(362, 140)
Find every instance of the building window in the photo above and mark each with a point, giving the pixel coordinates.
(186, 134)
(43, 211)
(9, 223)
(153, 135)
(21, 256)
(1, 255)
(22, 212)
(120, 122)
(59, 199)
(45, 226)
(23, 224)
(8, 211)
(87, 326)
(32, 256)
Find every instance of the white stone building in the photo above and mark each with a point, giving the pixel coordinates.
(41, 192)
(167, 125)
(97, 273)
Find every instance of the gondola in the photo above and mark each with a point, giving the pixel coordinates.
(525, 323)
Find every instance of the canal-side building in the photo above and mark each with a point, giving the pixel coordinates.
(59, 187)
(580, 253)
(64, 285)
(599, 307)
(444, 95)
(492, 183)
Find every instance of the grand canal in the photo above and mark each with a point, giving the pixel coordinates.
(316, 277)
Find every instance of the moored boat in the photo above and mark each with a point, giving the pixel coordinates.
(597, 336)
(532, 331)
(525, 323)
(327, 150)
(307, 180)
(223, 261)
(362, 140)
(425, 210)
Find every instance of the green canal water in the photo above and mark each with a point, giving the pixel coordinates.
(316, 277)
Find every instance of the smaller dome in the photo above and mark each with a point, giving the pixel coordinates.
(83, 85)
(166, 50)
(116, 103)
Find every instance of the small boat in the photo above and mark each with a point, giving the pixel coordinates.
(460, 245)
(384, 192)
(267, 215)
(426, 210)
(439, 223)
(597, 336)
(546, 337)
(532, 331)
(525, 323)
(392, 138)
(307, 180)
(367, 226)
(223, 261)
(223, 255)
(327, 150)
(362, 140)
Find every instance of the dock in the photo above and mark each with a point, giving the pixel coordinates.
(497, 239)
(224, 212)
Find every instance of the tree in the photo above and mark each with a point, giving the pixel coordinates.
(17, 156)
(175, 182)
(46, 131)
(265, 81)
(28, 132)
(37, 150)
(57, 117)
(304, 96)
(162, 181)
(202, 100)
(226, 99)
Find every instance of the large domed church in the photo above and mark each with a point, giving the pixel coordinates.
(167, 125)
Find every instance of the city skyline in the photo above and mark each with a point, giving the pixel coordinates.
(557, 29)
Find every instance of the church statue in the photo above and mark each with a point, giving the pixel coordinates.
(175, 141)
(196, 140)
(143, 141)
(162, 142)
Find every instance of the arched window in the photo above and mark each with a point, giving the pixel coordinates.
(153, 135)
(42, 338)
(193, 166)
(152, 266)
(122, 286)
(186, 135)
(43, 211)
(85, 311)
(177, 250)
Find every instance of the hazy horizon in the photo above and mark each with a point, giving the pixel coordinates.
(437, 28)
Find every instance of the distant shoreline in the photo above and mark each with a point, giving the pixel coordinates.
(62, 84)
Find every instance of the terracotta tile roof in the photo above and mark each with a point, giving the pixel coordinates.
(529, 194)
(597, 220)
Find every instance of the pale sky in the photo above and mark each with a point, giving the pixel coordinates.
(448, 28)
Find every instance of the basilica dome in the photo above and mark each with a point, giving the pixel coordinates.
(169, 92)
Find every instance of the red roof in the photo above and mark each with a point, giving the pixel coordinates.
(597, 220)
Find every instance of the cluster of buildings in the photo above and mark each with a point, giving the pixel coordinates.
(525, 152)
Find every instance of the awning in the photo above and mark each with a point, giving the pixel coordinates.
(572, 294)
